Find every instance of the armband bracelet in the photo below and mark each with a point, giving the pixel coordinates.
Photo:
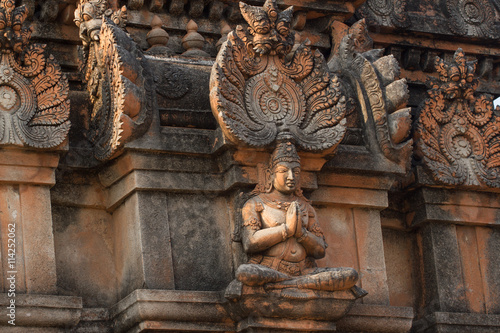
(303, 237)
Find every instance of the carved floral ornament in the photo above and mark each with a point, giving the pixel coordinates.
(118, 79)
(458, 133)
(386, 12)
(258, 97)
(34, 105)
(472, 17)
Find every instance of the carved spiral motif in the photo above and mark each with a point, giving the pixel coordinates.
(8, 97)
(457, 137)
(472, 12)
(476, 18)
(286, 103)
(381, 7)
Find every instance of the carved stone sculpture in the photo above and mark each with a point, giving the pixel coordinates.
(261, 99)
(258, 97)
(457, 133)
(34, 105)
(473, 18)
(381, 97)
(282, 236)
(386, 12)
(117, 76)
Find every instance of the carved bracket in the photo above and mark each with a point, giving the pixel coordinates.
(34, 105)
(458, 133)
(258, 97)
(118, 79)
(381, 97)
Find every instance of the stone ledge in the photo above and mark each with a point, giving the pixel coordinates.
(22, 166)
(207, 311)
(43, 312)
(448, 322)
(376, 318)
(457, 207)
(170, 310)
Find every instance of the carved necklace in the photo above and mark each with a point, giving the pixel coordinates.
(283, 205)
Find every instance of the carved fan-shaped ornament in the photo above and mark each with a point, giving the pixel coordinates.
(34, 105)
(473, 18)
(258, 97)
(457, 133)
(118, 79)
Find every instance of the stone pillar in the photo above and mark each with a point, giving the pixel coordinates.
(350, 217)
(458, 239)
(27, 244)
(25, 215)
(170, 225)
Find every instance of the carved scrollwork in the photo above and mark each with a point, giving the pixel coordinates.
(386, 12)
(472, 18)
(34, 105)
(118, 79)
(458, 133)
(381, 96)
(258, 97)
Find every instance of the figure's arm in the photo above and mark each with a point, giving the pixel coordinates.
(256, 239)
(310, 236)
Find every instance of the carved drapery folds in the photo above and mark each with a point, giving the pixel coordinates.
(34, 106)
(117, 76)
(458, 133)
(258, 97)
(381, 97)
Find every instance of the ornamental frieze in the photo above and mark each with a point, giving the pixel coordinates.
(457, 131)
(34, 105)
(117, 76)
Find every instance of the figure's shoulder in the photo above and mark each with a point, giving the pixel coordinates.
(254, 203)
(304, 203)
(253, 200)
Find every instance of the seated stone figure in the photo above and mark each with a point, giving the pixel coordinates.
(282, 236)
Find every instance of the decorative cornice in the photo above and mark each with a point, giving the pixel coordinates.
(457, 132)
(34, 105)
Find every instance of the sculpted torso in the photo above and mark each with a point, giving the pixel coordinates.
(272, 220)
(282, 237)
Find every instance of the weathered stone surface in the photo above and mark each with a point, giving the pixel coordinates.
(90, 233)
(25, 212)
(117, 77)
(448, 322)
(456, 131)
(200, 242)
(42, 313)
(34, 106)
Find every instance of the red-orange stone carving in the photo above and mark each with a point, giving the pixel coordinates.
(34, 106)
(457, 133)
(117, 76)
(258, 97)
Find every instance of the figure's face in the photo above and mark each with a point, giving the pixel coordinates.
(286, 177)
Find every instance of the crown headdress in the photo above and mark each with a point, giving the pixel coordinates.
(284, 152)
